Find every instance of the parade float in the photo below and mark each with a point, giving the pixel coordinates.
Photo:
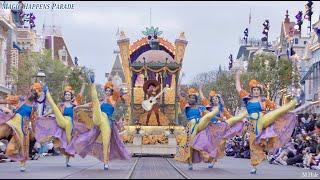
(152, 60)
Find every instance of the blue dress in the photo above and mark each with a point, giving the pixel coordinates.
(215, 119)
(194, 113)
(68, 111)
(254, 107)
(25, 111)
(108, 109)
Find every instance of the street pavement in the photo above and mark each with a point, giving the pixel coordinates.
(52, 167)
(237, 168)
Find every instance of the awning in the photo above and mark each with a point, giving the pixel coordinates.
(16, 46)
(308, 107)
(312, 69)
(4, 90)
(4, 22)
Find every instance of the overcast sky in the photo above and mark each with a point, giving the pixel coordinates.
(212, 29)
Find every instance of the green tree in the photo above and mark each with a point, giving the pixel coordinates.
(75, 81)
(23, 75)
(58, 75)
(274, 75)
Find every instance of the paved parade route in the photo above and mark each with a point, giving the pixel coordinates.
(239, 168)
(53, 167)
(148, 167)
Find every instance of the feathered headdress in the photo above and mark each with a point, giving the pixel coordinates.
(254, 83)
(212, 93)
(68, 89)
(109, 85)
(192, 91)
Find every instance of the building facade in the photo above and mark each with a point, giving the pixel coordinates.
(311, 79)
(54, 41)
(8, 51)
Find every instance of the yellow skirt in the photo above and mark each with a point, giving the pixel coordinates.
(18, 147)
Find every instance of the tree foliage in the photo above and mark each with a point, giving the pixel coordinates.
(58, 75)
(272, 74)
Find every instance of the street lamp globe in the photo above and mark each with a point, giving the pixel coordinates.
(138, 126)
(117, 81)
(41, 76)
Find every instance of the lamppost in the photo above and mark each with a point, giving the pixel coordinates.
(308, 14)
(265, 31)
(41, 100)
(231, 99)
(40, 77)
(138, 127)
(171, 127)
(64, 82)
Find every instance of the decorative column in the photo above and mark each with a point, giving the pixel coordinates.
(177, 98)
(180, 46)
(124, 47)
(132, 98)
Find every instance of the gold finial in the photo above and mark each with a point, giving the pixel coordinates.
(182, 36)
(122, 35)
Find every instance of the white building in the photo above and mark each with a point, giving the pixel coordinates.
(311, 78)
(54, 40)
(7, 51)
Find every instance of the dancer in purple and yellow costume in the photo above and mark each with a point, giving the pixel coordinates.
(269, 128)
(211, 141)
(18, 126)
(102, 140)
(60, 127)
(198, 118)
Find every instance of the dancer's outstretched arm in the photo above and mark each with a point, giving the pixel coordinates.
(242, 92)
(238, 81)
(204, 100)
(79, 96)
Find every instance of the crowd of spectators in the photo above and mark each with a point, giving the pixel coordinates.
(302, 151)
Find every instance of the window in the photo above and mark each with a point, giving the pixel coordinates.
(296, 41)
(304, 42)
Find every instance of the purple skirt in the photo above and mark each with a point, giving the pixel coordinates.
(211, 140)
(5, 117)
(85, 143)
(47, 127)
(279, 132)
(208, 140)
